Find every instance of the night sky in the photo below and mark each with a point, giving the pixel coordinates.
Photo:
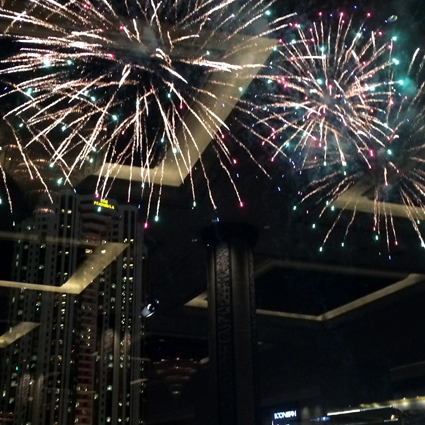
(177, 258)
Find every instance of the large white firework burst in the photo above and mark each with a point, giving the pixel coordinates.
(120, 80)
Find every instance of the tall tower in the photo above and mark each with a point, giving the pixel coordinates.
(83, 363)
(39, 369)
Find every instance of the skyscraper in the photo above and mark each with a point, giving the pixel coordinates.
(84, 363)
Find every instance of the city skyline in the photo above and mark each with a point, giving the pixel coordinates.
(85, 359)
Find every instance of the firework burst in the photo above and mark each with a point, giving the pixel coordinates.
(351, 119)
(123, 84)
(329, 83)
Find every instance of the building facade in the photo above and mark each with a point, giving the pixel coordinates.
(84, 362)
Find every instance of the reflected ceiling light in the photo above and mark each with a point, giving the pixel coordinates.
(16, 332)
(149, 308)
(102, 256)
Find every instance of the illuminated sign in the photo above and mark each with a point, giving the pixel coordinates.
(104, 203)
(286, 415)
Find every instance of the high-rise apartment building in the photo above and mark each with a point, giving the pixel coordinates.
(84, 362)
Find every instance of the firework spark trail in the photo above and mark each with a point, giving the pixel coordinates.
(7, 189)
(188, 135)
(88, 67)
(329, 188)
(336, 191)
(409, 206)
(347, 229)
